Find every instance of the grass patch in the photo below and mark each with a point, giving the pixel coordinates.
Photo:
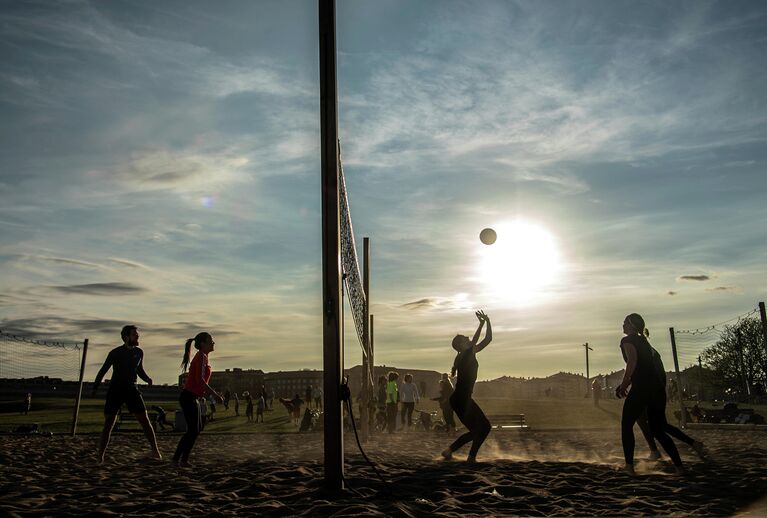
(55, 415)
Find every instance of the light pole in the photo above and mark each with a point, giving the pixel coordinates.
(588, 385)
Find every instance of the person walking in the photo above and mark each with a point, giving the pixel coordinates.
(461, 402)
(409, 396)
(673, 431)
(127, 364)
(647, 395)
(196, 385)
(236, 405)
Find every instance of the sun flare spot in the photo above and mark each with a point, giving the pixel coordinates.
(522, 263)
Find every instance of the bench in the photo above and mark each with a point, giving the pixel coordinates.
(508, 422)
(130, 417)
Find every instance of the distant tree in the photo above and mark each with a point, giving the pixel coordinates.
(738, 359)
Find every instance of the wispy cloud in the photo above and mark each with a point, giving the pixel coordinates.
(100, 289)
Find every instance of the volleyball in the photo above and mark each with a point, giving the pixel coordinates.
(487, 236)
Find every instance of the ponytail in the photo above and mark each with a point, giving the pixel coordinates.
(187, 348)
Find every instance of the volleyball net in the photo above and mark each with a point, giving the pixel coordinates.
(724, 361)
(42, 367)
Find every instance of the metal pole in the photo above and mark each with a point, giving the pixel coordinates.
(588, 385)
(743, 374)
(700, 380)
(682, 415)
(76, 414)
(372, 351)
(366, 367)
(763, 316)
(331, 254)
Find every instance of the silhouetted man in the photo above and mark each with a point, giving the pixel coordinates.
(127, 363)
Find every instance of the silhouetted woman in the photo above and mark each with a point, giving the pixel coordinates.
(648, 393)
(670, 429)
(196, 386)
(463, 405)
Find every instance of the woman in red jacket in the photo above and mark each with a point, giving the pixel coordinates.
(196, 386)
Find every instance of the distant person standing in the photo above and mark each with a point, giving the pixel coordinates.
(249, 406)
(236, 405)
(195, 387)
(309, 396)
(271, 399)
(392, 399)
(203, 404)
(596, 391)
(380, 397)
(212, 401)
(445, 391)
(318, 398)
(260, 404)
(296, 403)
(127, 364)
(409, 396)
(465, 407)
(27, 405)
(227, 398)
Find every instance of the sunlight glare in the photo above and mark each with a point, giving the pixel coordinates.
(521, 264)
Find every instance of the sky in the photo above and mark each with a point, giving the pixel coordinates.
(160, 165)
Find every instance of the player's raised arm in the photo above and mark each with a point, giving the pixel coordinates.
(484, 319)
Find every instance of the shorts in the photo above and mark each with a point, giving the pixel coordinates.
(130, 396)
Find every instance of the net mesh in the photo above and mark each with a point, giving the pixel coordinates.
(22, 356)
(695, 351)
(351, 268)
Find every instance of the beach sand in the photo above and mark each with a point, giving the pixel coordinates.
(534, 473)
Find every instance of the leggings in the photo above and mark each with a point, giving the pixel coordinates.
(474, 419)
(191, 409)
(654, 404)
(670, 429)
(391, 417)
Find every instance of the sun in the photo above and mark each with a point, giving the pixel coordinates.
(522, 264)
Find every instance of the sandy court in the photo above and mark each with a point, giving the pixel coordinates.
(529, 474)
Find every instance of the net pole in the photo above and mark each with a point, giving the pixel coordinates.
(679, 391)
(365, 428)
(331, 253)
(76, 413)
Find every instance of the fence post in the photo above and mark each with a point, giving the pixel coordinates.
(679, 390)
(76, 414)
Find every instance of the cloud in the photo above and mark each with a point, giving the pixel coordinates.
(694, 278)
(129, 264)
(181, 171)
(100, 289)
(456, 302)
(724, 288)
(59, 260)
